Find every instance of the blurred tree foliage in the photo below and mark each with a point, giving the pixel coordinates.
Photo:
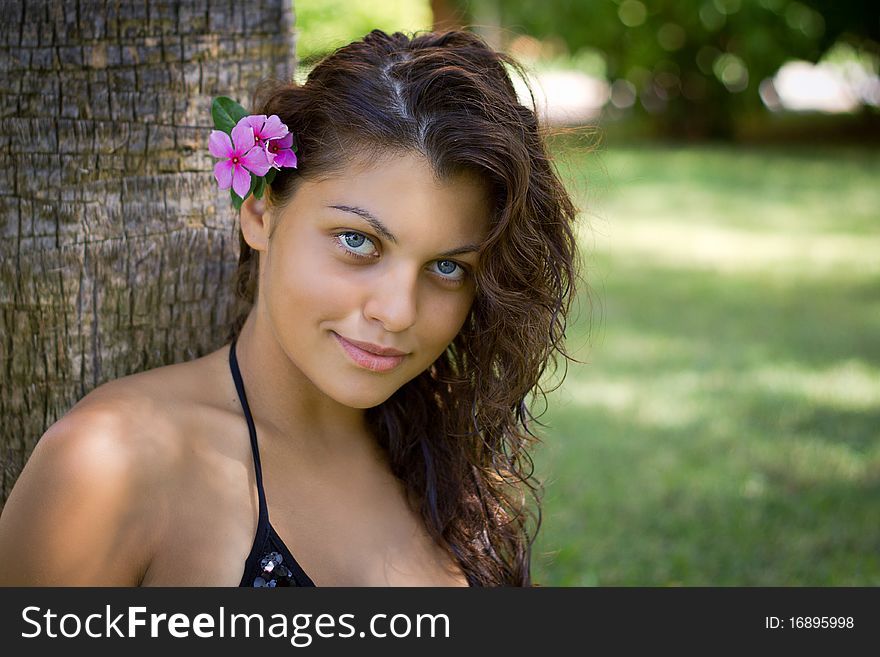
(693, 65)
(323, 25)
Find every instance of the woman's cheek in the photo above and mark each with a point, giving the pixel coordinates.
(312, 284)
(444, 317)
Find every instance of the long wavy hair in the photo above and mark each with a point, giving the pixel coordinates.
(458, 435)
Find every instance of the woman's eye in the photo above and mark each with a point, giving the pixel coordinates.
(357, 244)
(451, 270)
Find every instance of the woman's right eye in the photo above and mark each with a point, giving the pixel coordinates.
(356, 244)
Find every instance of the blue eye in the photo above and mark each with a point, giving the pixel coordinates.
(354, 237)
(448, 267)
(352, 241)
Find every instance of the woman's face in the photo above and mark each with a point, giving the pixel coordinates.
(381, 254)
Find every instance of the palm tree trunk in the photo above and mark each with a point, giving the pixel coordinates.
(118, 248)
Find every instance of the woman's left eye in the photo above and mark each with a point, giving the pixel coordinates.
(353, 242)
(447, 269)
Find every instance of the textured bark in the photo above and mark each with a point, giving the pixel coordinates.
(117, 248)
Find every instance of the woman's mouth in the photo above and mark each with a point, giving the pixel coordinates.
(367, 359)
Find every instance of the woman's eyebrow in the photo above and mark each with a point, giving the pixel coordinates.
(382, 229)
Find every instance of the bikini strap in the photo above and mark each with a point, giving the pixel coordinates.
(242, 397)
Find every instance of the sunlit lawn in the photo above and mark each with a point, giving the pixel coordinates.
(725, 428)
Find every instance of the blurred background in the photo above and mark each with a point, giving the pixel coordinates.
(723, 425)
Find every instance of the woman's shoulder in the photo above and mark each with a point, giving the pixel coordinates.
(79, 505)
(162, 388)
(141, 419)
(90, 498)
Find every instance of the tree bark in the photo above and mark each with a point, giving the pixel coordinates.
(118, 249)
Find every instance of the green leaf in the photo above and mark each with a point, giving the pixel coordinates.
(259, 187)
(226, 113)
(236, 200)
(271, 176)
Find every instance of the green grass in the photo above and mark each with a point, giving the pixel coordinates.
(725, 426)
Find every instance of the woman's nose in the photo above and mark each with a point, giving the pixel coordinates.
(393, 299)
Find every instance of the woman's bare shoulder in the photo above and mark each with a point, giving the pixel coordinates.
(162, 388)
(90, 499)
(143, 418)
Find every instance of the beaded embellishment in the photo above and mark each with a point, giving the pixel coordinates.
(275, 573)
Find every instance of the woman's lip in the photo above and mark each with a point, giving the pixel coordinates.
(368, 359)
(374, 348)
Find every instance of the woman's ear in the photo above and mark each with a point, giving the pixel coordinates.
(255, 222)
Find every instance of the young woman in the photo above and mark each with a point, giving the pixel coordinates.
(402, 291)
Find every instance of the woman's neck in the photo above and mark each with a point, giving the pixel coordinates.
(282, 398)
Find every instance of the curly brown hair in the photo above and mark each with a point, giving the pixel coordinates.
(458, 435)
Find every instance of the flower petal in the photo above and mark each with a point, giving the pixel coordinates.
(270, 156)
(243, 137)
(241, 181)
(274, 129)
(219, 144)
(257, 161)
(255, 121)
(285, 158)
(284, 142)
(223, 174)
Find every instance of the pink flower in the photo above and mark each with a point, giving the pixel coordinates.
(265, 128)
(274, 137)
(279, 152)
(239, 155)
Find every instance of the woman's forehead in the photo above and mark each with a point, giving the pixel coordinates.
(400, 189)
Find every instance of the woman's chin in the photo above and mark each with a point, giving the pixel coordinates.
(354, 397)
